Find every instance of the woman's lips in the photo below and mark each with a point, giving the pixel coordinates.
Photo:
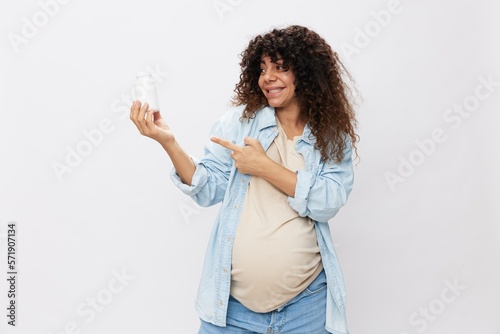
(274, 91)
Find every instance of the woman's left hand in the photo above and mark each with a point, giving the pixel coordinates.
(249, 159)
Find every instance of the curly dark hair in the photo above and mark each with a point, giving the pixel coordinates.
(324, 97)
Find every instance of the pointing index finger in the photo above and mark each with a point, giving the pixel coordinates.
(225, 143)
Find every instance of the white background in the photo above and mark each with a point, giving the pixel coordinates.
(400, 246)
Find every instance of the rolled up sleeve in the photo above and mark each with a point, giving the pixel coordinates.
(199, 179)
(320, 194)
(211, 176)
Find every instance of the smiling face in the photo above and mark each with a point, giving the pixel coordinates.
(277, 82)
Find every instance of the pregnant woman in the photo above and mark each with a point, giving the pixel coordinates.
(280, 161)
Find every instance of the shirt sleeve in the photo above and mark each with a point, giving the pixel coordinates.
(320, 194)
(211, 176)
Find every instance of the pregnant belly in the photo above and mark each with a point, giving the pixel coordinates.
(270, 266)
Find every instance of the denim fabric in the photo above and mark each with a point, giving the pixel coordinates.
(304, 314)
(322, 189)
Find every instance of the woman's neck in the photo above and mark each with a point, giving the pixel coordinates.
(291, 121)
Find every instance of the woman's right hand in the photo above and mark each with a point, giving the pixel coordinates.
(150, 124)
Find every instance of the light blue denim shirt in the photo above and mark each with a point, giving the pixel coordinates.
(322, 188)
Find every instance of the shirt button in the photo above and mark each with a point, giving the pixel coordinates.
(221, 303)
(224, 270)
(228, 238)
(235, 207)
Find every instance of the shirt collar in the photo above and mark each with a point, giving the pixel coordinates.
(267, 118)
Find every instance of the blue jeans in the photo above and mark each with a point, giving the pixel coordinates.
(304, 314)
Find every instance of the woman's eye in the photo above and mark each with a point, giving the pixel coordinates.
(262, 70)
(282, 68)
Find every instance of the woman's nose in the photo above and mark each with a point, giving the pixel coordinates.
(270, 75)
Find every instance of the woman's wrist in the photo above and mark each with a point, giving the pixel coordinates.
(169, 144)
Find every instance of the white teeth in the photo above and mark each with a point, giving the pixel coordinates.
(276, 90)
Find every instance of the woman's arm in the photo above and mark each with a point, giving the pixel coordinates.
(182, 162)
(317, 194)
(153, 126)
(251, 159)
(321, 193)
(204, 180)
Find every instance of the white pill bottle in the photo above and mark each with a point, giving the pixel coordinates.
(145, 89)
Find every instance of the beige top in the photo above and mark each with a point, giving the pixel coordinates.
(275, 253)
